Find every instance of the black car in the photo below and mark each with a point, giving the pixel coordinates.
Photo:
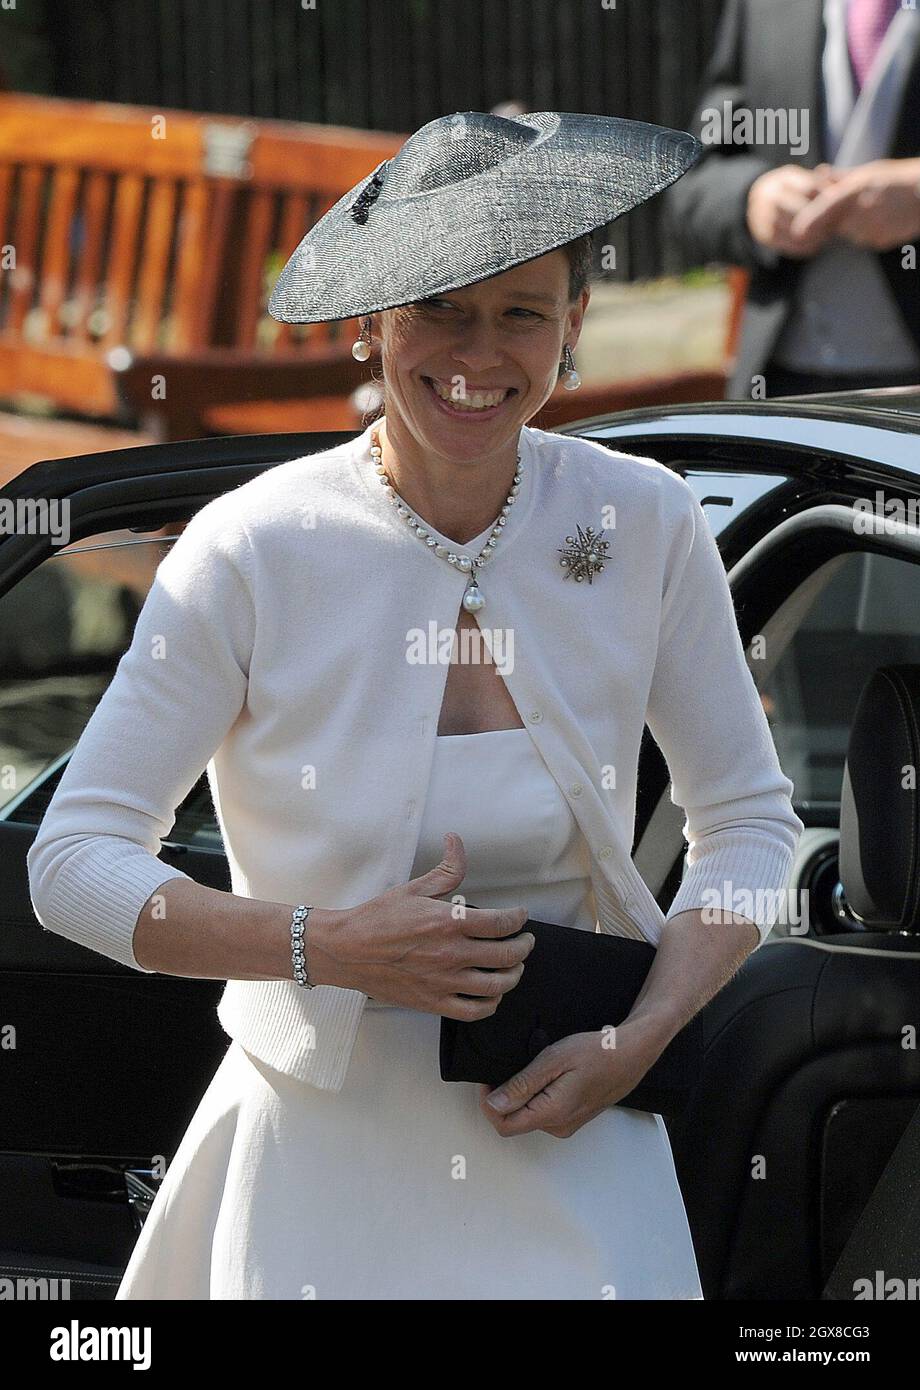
(812, 1073)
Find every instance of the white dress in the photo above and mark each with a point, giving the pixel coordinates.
(397, 1186)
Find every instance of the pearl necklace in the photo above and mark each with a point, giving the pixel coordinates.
(473, 598)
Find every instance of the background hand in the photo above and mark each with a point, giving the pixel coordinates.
(781, 195)
(875, 205)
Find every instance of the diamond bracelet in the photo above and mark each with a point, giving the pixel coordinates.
(298, 919)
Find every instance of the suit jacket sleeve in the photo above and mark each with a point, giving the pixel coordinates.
(706, 210)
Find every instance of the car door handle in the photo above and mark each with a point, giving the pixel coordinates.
(108, 1180)
(141, 1186)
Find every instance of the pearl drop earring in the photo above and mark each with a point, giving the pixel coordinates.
(361, 348)
(571, 380)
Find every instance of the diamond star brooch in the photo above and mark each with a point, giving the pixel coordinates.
(583, 555)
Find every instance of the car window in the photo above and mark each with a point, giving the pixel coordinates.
(63, 630)
(724, 496)
(857, 612)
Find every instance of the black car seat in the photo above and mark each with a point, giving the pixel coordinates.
(812, 1050)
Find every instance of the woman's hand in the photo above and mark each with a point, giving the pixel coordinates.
(571, 1081)
(407, 948)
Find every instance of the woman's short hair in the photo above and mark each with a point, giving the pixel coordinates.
(581, 263)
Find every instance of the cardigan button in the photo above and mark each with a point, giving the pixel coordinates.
(576, 789)
(535, 716)
(605, 852)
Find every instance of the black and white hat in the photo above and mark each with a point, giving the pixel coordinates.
(468, 196)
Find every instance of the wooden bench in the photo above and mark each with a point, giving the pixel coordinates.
(139, 247)
(145, 246)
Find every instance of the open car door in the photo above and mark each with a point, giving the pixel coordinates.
(101, 1067)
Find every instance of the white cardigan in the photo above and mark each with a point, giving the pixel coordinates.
(273, 649)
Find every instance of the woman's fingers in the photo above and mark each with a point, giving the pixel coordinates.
(495, 955)
(466, 1009)
(492, 922)
(444, 877)
(488, 984)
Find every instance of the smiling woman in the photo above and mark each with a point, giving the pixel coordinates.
(526, 302)
(463, 371)
(327, 1158)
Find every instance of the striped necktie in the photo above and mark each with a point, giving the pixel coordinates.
(867, 22)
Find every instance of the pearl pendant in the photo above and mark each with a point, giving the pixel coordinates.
(361, 350)
(474, 598)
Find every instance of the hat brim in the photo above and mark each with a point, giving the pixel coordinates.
(587, 171)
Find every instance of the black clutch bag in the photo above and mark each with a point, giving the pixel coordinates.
(574, 981)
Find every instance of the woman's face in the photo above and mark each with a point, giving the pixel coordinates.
(493, 348)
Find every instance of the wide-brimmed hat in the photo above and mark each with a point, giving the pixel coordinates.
(468, 196)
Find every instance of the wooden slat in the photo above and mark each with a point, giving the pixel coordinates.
(55, 266)
(98, 135)
(151, 284)
(6, 183)
(223, 194)
(24, 240)
(194, 247)
(332, 159)
(284, 417)
(317, 333)
(95, 201)
(295, 210)
(228, 375)
(74, 376)
(101, 135)
(252, 266)
(125, 224)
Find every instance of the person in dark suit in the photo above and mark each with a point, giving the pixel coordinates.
(810, 115)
